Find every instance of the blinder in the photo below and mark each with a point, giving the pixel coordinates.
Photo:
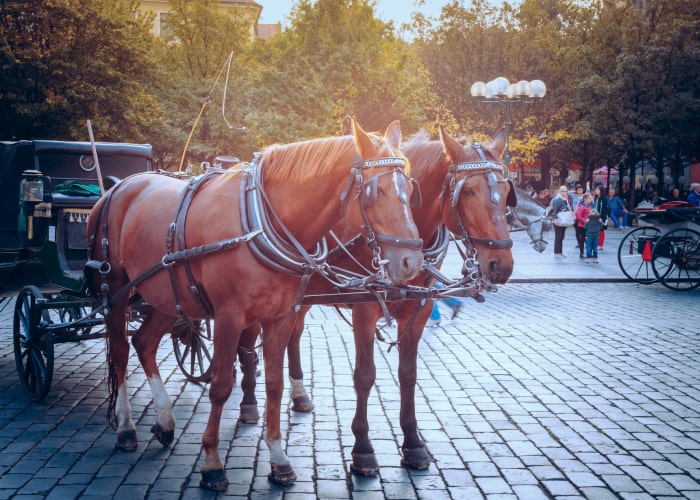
(366, 190)
(512, 199)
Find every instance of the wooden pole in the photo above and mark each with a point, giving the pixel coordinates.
(97, 162)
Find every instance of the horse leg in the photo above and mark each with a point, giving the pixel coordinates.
(364, 319)
(146, 341)
(227, 331)
(117, 361)
(281, 470)
(249, 365)
(413, 449)
(301, 401)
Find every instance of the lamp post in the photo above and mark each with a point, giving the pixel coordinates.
(501, 91)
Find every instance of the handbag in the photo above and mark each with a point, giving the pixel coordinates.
(565, 218)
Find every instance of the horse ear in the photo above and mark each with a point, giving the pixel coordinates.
(498, 143)
(393, 135)
(451, 147)
(362, 141)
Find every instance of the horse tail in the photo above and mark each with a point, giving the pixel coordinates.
(96, 270)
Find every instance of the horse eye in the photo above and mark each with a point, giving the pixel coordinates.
(468, 192)
(380, 191)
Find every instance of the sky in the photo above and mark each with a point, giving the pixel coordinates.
(399, 11)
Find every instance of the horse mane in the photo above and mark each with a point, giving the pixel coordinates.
(425, 153)
(303, 161)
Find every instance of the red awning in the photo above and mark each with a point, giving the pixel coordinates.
(515, 167)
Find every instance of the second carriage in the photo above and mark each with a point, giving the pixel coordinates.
(665, 248)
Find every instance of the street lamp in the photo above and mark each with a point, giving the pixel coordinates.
(501, 91)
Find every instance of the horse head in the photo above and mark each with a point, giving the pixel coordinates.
(385, 195)
(532, 216)
(475, 199)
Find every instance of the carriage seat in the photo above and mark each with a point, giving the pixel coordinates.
(61, 200)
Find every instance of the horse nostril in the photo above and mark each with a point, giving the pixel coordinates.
(494, 270)
(410, 265)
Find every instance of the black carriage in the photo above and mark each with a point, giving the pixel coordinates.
(665, 248)
(48, 189)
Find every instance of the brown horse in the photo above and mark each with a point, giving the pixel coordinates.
(139, 233)
(463, 187)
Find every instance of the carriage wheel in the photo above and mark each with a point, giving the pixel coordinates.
(676, 259)
(193, 344)
(33, 343)
(634, 254)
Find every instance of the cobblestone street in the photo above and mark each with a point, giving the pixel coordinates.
(546, 390)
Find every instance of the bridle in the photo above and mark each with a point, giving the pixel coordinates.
(452, 187)
(366, 191)
(537, 241)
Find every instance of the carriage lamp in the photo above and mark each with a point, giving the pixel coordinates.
(32, 186)
(501, 91)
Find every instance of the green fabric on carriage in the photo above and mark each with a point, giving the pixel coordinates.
(75, 188)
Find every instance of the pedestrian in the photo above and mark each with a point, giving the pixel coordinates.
(694, 195)
(600, 204)
(560, 203)
(577, 195)
(616, 208)
(592, 228)
(452, 302)
(675, 195)
(543, 197)
(582, 212)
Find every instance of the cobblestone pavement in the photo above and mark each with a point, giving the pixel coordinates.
(546, 390)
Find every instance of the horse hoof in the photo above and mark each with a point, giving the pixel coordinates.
(249, 414)
(214, 480)
(127, 440)
(365, 464)
(302, 404)
(415, 458)
(282, 474)
(164, 437)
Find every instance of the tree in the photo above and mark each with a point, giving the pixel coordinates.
(64, 61)
(335, 60)
(203, 52)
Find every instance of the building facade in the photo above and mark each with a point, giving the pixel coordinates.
(250, 9)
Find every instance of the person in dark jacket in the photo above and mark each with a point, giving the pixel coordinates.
(592, 228)
(600, 204)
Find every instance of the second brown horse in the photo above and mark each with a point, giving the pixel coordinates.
(462, 187)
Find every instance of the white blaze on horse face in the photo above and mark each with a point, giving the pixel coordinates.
(402, 196)
(162, 404)
(122, 411)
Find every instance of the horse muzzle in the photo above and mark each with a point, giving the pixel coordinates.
(539, 245)
(403, 258)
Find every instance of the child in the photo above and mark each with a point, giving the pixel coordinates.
(592, 227)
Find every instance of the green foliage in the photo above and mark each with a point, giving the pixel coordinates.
(194, 57)
(65, 61)
(623, 76)
(336, 60)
